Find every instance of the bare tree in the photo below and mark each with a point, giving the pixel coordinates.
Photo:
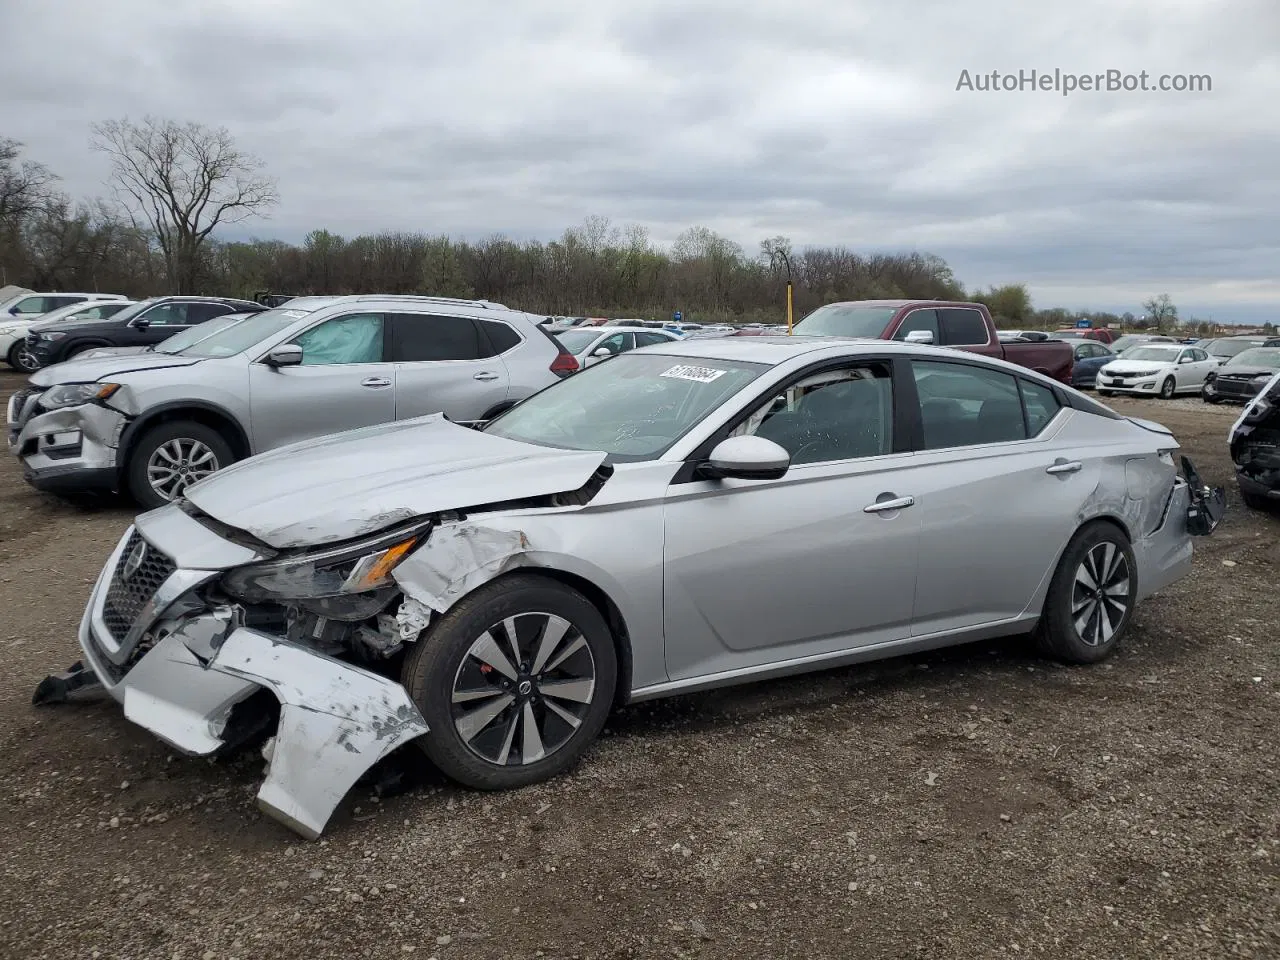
(184, 180)
(1161, 310)
(24, 186)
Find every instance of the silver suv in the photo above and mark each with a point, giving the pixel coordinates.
(155, 423)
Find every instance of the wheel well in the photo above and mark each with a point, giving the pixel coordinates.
(1110, 521)
(224, 424)
(612, 615)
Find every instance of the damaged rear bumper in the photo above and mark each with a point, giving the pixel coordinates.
(336, 720)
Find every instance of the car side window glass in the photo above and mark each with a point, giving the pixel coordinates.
(356, 338)
(501, 337)
(1041, 406)
(649, 339)
(200, 312)
(31, 305)
(167, 315)
(962, 405)
(919, 320)
(615, 344)
(962, 327)
(420, 337)
(840, 414)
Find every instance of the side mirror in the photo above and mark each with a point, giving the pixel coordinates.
(285, 355)
(140, 324)
(602, 352)
(746, 458)
(1184, 359)
(919, 336)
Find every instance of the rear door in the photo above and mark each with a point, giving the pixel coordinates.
(993, 482)
(445, 364)
(344, 382)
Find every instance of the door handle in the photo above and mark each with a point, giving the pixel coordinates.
(375, 382)
(1065, 466)
(884, 506)
(485, 375)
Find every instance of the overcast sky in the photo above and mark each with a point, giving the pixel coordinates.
(828, 121)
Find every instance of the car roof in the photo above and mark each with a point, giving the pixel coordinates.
(623, 329)
(452, 304)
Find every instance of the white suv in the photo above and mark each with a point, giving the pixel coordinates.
(18, 313)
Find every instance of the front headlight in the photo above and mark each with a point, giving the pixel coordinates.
(339, 571)
(11, 328)
(74, 394)
(51, 336)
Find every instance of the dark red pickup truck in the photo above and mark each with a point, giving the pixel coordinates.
(965, 326)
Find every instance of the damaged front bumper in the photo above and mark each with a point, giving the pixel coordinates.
(1254, 442)
(69, 448)
(181, 669)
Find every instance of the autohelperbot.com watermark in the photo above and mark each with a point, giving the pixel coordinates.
(1065, 83)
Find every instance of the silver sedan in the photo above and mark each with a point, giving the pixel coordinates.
(686, 516)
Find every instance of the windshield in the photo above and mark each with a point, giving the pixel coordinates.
(845, 320)
(1268, 357)
(575, 341)
(632, 408)
(1229, 348)
(193, 335)
(239, 337)
(1157, 354)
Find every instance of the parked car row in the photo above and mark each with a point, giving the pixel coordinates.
(18, 314)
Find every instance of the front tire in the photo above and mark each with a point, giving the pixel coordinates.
(1106, 393)
(1208, 398)
(1255, 501)
(21, 360)
(1091, 596)
(170, 457)
(515, 682)
(1167, 388)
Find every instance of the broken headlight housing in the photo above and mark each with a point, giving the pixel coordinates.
(350, 569)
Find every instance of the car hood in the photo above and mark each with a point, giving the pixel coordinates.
(112, 352)
(87, 370)
(355, 483)
(1244, 371)
(1129, 368)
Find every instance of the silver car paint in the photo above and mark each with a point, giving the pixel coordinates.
(710, 582)
(275, 407)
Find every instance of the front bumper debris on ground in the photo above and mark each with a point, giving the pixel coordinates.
(180, 669)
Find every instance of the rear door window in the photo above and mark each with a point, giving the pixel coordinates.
(963, 327)
(1041, 405)
(420, 337)
(963, 405)
(500, 336)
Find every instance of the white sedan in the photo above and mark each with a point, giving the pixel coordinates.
(1158, 369)
(590, 345)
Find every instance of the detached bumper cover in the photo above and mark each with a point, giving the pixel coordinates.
(336, 720)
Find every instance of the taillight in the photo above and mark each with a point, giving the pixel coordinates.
(564, 364)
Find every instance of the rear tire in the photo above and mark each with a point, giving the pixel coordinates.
(494, 722)
(1091, 597)
(1168, 388)
(183, 443)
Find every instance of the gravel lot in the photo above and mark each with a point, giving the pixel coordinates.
(975, 803)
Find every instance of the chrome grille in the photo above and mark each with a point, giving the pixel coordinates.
(133, 582)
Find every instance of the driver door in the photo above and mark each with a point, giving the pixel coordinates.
(761, 571)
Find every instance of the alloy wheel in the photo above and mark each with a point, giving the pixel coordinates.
(1100, 595)
(25, 362)
(523, 689)
(178, 463)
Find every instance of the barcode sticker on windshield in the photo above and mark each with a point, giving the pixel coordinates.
(696, 374)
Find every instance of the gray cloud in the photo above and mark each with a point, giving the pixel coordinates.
(829, 121)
